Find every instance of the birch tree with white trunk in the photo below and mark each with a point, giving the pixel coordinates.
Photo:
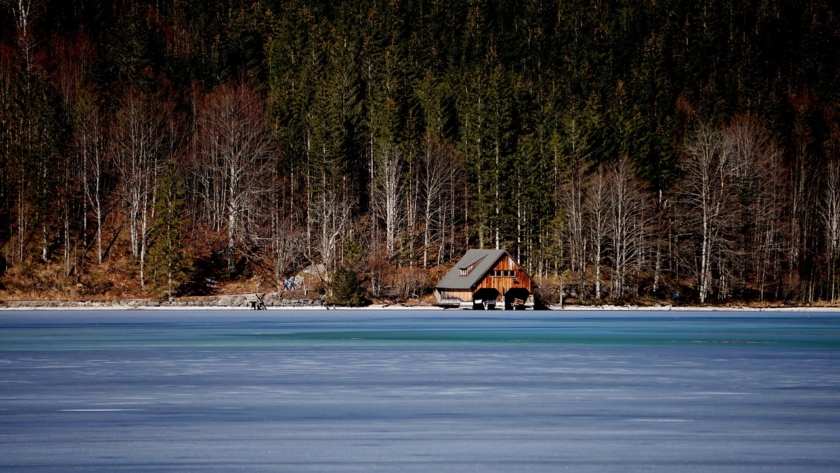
(758, 184)
(137, 143)
(627, 222)
(90, 141)
(597, 208)
(708, 198)
(830, 215)
(572, 199)
(437, 163)
(388, 194)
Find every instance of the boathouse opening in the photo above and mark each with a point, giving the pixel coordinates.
(485, 298)
(516, 297)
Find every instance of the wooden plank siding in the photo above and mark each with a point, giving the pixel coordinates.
(454, 294)
(504, 281)
(485, 274)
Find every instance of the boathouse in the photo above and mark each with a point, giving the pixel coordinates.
(486, 279)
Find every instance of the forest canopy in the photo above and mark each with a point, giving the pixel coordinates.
(622, 149)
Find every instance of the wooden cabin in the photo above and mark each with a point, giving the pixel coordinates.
(485, 279)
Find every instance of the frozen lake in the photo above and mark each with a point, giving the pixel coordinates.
(392, 391)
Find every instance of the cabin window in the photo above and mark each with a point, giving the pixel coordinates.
(464, 271)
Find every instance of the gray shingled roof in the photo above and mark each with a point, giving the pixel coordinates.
(486, 260)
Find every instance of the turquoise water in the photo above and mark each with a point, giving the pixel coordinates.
(418, 391)
(195, 329)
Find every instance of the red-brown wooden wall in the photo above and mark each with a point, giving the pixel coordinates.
(504, 283)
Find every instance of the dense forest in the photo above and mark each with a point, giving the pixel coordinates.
(619, 149)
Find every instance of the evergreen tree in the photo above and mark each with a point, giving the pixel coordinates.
(351, 85)
(36, 152)
(345, 289)
(169, 259)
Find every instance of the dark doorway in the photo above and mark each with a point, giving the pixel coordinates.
(487, 299)
(515, 298)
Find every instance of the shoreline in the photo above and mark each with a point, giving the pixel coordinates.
(687, 308)
(213, 306)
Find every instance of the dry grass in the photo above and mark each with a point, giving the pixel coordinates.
(48, 282)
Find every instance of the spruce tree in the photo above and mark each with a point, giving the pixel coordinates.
(170, 262)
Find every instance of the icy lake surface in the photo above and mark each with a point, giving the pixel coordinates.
(411, 391)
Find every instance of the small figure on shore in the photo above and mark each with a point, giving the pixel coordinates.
(292, 284)
(677, 298)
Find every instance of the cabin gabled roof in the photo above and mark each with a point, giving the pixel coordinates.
(476, 263)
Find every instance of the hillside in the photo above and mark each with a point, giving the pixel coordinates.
(622, 150)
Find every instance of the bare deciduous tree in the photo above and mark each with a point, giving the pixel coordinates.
(332, 214)
(137, 145)
(70, 60)
(572, 199)
(708, 197)
(803, 202)
(234, 150)
(627, 224)
(597, 207)
(830, 214)
(436, 171)
(757, 182)
(388, 194)
(23, 12)
(286, 246)
(90, 143)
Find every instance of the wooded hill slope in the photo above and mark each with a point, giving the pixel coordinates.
(625, 149)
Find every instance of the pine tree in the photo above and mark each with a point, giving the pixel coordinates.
(170, 260)
(35, 153)
(346, 290)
